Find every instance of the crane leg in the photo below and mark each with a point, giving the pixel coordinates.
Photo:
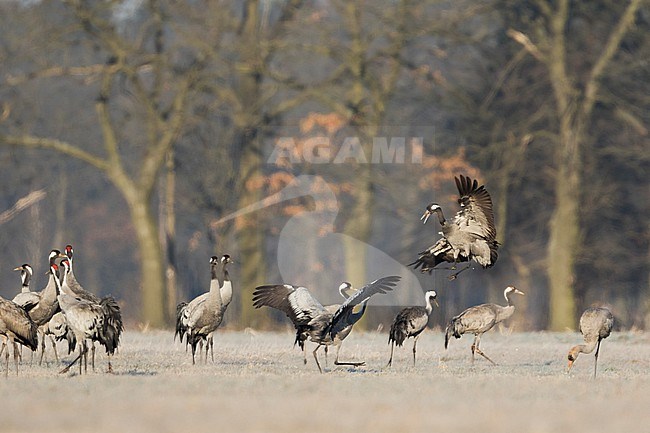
(212, 348)
(326, 348)
(42, 335)
(16, 354)
(193, 344)
(93, 355)
(455, 274)
(316, 358)
(353, 364)
(477, 341)
(596, 358)
(85, 359)
(6, 359)
(78, 358)
(415, 342)
(304, 353)
(2, 349)
(390, 360)
(56, 355)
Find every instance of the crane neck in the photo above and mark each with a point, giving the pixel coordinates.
(428, 306)
(226, 290)
(64, 285)
(25, 278)
(355, 317)
(508, 300)
(586, 348)
(441, 217)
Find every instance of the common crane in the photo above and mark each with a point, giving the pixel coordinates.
(56, 328)
(85, 318)
(479, 319)
(204, 314)
(16, 327)
(113, 326)
(595, 325)
(43, 307)
(324, 326)
(470, 236)
(410, 322)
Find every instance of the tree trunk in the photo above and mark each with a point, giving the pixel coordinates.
(151, 261)
(250, 238)
(358, 228)
(564, 242)
(168, 238)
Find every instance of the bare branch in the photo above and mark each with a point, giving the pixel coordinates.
(522, 39)
(611, 47)
(57, 145)
(22, 204)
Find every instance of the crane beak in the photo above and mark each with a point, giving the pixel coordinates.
(435, 301)
(19, 268)
(568, 369)
(425, 216)
(519, 292)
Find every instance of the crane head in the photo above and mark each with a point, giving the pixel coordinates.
(430, 210)
(573, 355)
(346, 290)
(432, 295)
(27, 268)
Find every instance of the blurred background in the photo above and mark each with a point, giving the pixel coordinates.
(134, 129)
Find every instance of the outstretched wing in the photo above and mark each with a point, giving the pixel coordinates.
(296, 302)
(475, 215)
(382, 285)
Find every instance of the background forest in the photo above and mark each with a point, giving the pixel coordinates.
(135, 129)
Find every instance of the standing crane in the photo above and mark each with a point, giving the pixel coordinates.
(26, 298)
(595, 325)
(479, 319)
(204, 314)
(45, 305)
(410, 322)
(85, 318)
(299, 305)
(113, 326)
(470, 236)
(324, 326)
(16, 327)
(56, 328)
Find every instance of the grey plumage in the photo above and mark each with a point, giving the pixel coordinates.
(410, 322)
(322, 325)
(470, 236)
(58, 328)
(112, 323)
(26, 298)
(42, 306)
(198, 319)
(85, 318)
(479, 319)
(47, 305)
(17, 327)
(595, 325)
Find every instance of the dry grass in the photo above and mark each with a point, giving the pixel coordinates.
(258, 383)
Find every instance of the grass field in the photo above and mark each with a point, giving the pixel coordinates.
(258, 383)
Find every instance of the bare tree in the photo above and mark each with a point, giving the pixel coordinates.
(575, 98)
(161, 91)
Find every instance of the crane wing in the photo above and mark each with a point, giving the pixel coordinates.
(296, 302)
(382, 285)
(27, 300)
(476, 215)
